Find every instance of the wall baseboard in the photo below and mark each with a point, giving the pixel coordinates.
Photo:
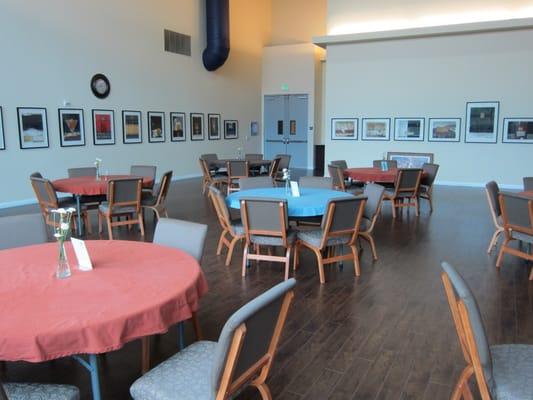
(474, 184)
(26, 202)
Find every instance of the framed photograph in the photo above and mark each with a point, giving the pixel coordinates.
(231, 129)
(156, 126)
(103, 127)
(518, 130)
(177, 127)
(410, 160)
(482, 122)
(344, 128)
(2, 139)
(71, 127)
(409, 129)
(444, 130)
(33, 127)
(213, 126)
(376, 129)
(254, 128)
(197, 126)
(132, 127)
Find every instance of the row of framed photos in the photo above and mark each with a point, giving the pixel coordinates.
(481, 127)
(33, 127)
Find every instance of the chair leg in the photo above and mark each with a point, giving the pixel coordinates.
(264, 391)
(417, 206)
(461, 389)
(141, 224)
(368, 236)
(500, 254)
(145, 345)
(287, 262)
(221, 242)
(356, 266)
(196, 326)
(109, 227)
(296, 256)
(99, 223)
(230, 250)
(494, 240)
(320, 266)
(244, 259)
(393, 203)
(430, 199)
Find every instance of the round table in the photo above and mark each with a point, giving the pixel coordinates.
(136, 289)
(311, 203)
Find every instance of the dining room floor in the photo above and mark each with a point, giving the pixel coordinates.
(387, 334)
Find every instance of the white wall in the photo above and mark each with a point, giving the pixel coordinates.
(435, 77)
(297, 21)
(50, 50)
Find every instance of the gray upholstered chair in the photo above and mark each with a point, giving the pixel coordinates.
(209, 178)
(123, 200)
(256, 182)
(274, 168)
(340, 163)
(237, 169)
(339, 227)
(374, 195)
(284, 162)
(501, 371)
(429, 173)
(149, 171)
(229, 227)
(405, 191)
(316, 182)
(337, 174)
(157, 202)
(266, 223)
(242, 356)
(528, 183)
(492, 190)
(81, 171)
(38, 391)
(353, 186)
(22, 230)
(517, 218)
(391, 164)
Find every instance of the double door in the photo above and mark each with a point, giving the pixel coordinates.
(286, 127)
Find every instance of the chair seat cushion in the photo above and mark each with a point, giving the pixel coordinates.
(314, 238)
(37, 391)
(524, 237)
(273, 241)
(186, 375)
(513, 371)
(104, 207)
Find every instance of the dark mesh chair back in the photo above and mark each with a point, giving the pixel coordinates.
(274, 167)
(45, 192)
(316, 182)
(163, 187)
(256, 182)
(336, 174)
(517, 212)
(343, 216)
(36, 174)
(374, 195)
(124, 193)
(144, 170)
(429, 174)
(263, 216)
(493, 191)
(238, 169)
(253, 157)
(209, 157)
(340, 163)
(81, 171)
(285, 160)
(528, 183)
(408, 181)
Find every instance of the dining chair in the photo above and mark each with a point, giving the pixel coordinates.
(209, 179)
(157, 202)
(492, 191)
(36, 174)
(37, 391)
(22, 230)
(348, 182)
(339, 227)
(243, 355)
(237, 169)
(284, 163)
(517, 216)
(256, 182)
(91, 202)
(528, 183)
(48, 201)
(229, 227)
(81, 171)
(253, 156)
(501, 371)
(374, 194)
(123, 200)
(316, 182)
(391, 164)
(210, 158)
(145, 171)
(340, 163)
(405, 191)
(429, 173)
(266, 223)
(337, 174)
(274, 168)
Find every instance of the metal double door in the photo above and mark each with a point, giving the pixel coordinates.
(286, 127)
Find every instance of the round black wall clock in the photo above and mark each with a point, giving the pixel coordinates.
(100, 86)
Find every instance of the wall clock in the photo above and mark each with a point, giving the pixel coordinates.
(100, 86)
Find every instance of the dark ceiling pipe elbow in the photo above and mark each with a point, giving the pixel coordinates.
(217, 24)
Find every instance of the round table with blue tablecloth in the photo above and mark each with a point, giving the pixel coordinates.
(311, 203)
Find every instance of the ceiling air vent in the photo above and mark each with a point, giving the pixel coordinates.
(177, 43)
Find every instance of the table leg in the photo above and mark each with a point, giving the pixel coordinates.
(92, 367)
(78, 210)
(181, 335)
(145, 365)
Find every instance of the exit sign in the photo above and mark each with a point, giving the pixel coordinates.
(284, 87)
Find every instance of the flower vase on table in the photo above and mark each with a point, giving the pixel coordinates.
(62, 220)
(287, 178)
(98, 164)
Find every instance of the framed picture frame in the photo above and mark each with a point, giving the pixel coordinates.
(156, 126)
(254, 128)
(131, 127)
(444, 130)
(103, 127)
(71, 127)
(178, 128)
(409, 129)
(197, 126)
(213, 126)
(2, 138)
(409, 159)
(231, 129)
(517, 130)
(344, 128)
(33, 127)
(375, 129)
(482, 122)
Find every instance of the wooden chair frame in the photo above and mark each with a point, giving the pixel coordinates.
(208, 179)
(497, 225)
(257, 373)
(129, 216)
(367, 235)
(273, 168)
(398, 202)
(338, 184)
(330, 257)
(233, 180)
(428, 195)
(226, 229)
(508, 229)
(160, 207)
(281, 234)
(468, 346)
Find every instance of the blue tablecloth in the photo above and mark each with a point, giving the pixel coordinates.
(311, 203)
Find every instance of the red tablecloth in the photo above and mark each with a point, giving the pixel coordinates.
(136, 289)
(89, 185)
(371, 174)
(527, 193)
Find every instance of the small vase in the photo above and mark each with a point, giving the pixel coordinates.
(97, 173)
(287, 186)
(63, 268)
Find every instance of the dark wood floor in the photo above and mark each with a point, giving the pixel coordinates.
(386, 335)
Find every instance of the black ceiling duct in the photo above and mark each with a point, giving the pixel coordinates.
(217, 23)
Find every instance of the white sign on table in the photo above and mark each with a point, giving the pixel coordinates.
(84, 261)
(295, 190)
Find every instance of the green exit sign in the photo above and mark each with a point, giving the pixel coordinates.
(285, 87)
